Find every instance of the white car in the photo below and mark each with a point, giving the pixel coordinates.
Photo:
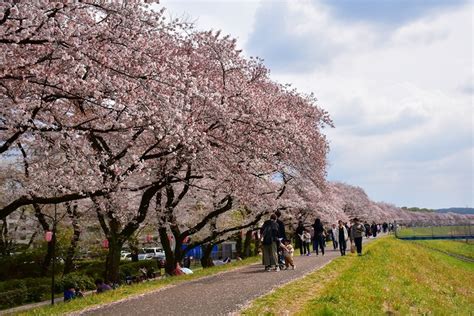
(145, 256)
(157, 253)
(126, 256)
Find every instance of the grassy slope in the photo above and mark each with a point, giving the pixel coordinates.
(456, 247)
(132, 290)
(393, 277)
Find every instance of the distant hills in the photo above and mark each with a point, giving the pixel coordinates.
(459, 210)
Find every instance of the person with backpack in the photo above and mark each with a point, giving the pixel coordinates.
(319, 236)
(270, 243)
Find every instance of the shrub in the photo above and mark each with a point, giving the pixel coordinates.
(13, 298)
(131, 268)
(75, 279)
(24, 265)
(92, 268)
(17, 292)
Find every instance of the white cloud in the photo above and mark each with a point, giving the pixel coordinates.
(401, 98)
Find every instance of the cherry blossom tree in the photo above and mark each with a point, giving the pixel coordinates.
(113, 103)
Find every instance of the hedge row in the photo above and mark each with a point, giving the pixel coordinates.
(27, 290)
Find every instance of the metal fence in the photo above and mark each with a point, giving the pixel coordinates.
(433, 231)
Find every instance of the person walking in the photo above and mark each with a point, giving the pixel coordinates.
(281, 226)
(281, 237)
(319, 236)
(367, 229)
(374, 229)
(334, 236)
(342, 238)
(299, 237)
(270, 243)
(306, 241)
(357, 232)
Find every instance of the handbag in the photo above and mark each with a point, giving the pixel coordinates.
(352, 249)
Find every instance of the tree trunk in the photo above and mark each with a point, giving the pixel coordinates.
(112, 269)
(49, 253)
(170, 264)
(134, 247)
(206, 259)
(248, 241)
(5, 242)
(257, 246)
(238, 245)
(71, 252)
(47, 259)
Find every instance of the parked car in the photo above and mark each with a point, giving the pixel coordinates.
(156, 252)
(142, 255)
(126, 256)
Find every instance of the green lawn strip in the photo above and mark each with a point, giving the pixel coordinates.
(398, 277)
(127, 291)
(393, 277)
(288, 299)
(461, 248)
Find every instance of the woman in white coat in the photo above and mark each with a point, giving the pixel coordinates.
(343, 236)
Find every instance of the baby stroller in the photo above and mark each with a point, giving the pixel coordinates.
(281, 257)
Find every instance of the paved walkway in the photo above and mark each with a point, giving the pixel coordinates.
(221, 294)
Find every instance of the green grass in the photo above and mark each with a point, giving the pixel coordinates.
(132, 290)
(458, 247)
(457, 230)
(393, 277)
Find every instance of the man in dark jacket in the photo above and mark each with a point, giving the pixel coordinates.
(281, 226)
(356, 234)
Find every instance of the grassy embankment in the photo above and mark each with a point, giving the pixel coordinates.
(393, 277)
(132, 290)
(455, 230)
(457, 247)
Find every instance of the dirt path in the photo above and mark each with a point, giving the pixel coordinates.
(220, 294)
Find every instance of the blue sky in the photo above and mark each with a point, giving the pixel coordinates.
(387, 12)
(396, 77)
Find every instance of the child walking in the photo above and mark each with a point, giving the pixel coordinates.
(306, 242)
(288, 251)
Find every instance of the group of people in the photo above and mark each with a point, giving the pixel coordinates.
(340, 234)
(72, 292)
(278, 250)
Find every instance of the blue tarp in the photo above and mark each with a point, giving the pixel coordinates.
(196, 252)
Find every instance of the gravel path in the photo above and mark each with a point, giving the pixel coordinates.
(220, 294)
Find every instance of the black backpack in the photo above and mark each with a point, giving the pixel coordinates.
(268, 235)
